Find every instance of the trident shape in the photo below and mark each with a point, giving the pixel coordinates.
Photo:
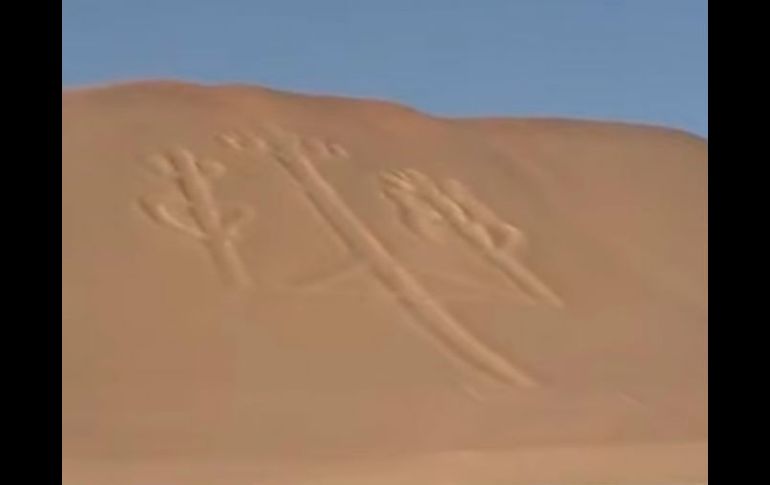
(296, 156)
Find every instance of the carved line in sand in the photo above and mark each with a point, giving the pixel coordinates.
(296, 156)
(424, 206)
(198, 214)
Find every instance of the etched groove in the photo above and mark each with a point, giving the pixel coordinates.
(452, 336)
(200, 215)
(166, 213)
(493, 238)
(318, 280)
(418, 218)
(502, 234)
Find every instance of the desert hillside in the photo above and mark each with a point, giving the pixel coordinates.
(273, 288)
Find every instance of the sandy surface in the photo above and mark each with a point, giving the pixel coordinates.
(265, 288)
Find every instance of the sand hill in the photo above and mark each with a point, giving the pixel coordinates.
(268, 288)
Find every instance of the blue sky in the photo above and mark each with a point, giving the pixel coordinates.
(631, 60)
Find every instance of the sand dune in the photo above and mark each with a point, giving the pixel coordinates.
(265, 287)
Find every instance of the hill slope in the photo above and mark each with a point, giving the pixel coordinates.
(265, 287)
